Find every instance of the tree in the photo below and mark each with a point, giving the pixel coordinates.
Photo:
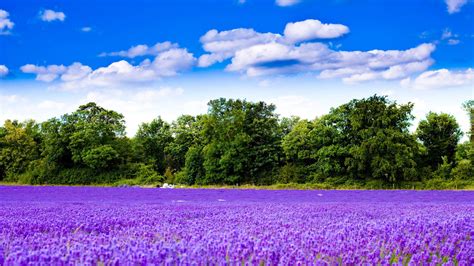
(151, 140)
(93, 130)
(184, 132)
(469, 107)
(18, 147)
(440, 134)
(297, 144)
(240, 142)
(361, 140)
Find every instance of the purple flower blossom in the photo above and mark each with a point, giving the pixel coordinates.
(113, 226)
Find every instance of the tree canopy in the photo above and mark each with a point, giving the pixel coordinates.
(239, 142)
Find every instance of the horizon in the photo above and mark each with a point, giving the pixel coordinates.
(303, 56)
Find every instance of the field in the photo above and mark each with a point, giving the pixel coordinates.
(87, 225)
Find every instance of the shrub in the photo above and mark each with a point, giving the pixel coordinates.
(463, 170)
(147, 175)
(291, 173)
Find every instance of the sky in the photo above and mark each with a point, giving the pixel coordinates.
(147, 58)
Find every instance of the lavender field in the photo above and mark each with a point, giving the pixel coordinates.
(86, 225)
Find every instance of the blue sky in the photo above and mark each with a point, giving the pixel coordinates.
(150, 58)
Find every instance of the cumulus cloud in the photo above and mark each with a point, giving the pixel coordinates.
(441, 78)
(5, 23)
(311, 29)
(3, 70)
(49, 15)
(286, 2)
(78, 76)
(351, 66)
(44, 73)
(257, 54)
(455, 6)
(143, 50)
(222, 45)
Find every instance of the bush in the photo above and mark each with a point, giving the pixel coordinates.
(102, 157)
(182, 177)
(291, 173)
(463, 170)
(146, 175)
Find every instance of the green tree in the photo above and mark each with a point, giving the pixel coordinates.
(361, 140)
(240, 142)
(151, 140)
(469, 107)
(184, 132)
(440, 134)
(92, 132)
(18, 147)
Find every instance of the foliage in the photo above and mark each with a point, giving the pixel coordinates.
(152, 139)
(18, 147)
(363, 143)
(240, 141)
(440, 135)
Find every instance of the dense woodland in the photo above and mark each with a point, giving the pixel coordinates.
(365, 142)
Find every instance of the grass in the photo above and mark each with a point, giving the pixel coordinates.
(433, 184)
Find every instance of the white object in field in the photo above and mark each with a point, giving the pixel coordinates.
(166, 185)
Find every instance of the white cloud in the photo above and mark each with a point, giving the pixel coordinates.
(224, 44)
(311, 29)
(441, 78)
(46, 74)
(76, 71)
(78, 76)
(51, 15)
(454, 6)
(450, 36)
(286, 2)
(3, 70)
(5, 23)
(447, 33)
(453, 41)
(86, 29)
(352, 66)
(143, 50)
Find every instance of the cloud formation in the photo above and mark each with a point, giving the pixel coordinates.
(351, 66)
(49, 15)
(222, 45)
(454, 6)
(5, 23)
(286, 2)
(78, 76)
(441, 78)
(143, 50)
(3, 70)
(44, 73)
(257, 54)
(311, 29)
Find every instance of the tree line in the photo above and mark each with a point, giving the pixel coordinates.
(365, 141)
